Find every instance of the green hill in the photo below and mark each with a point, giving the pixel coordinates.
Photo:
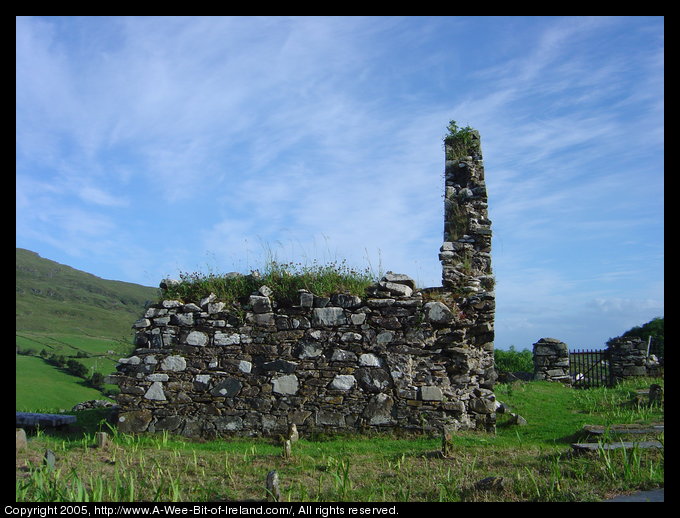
(62, 315)
(52, 297)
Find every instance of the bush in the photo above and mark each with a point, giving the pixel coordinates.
(76, 368)
(513, 361)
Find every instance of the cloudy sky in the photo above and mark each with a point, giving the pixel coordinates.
(150, 146)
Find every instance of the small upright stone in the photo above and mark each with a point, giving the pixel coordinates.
(293, 434)
(49, 459)
(21, 439)
(447, 441)
(102, 440)
(272, 486)
(287, 450)
(655, 394)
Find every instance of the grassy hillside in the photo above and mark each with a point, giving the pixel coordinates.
(41, 387)
(54, 298)
(72, 315)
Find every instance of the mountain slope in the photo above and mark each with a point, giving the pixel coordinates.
(64, 315)
(54, 298)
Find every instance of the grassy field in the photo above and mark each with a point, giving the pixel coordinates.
(40, 386)
(535, 461)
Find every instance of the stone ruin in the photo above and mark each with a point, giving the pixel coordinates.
(626, 357)
(399, 358)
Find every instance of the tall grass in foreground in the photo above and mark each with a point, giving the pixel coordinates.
(535, 461)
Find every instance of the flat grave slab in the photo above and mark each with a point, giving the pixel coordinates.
(35, 419)
(593, 446)
(624, 429)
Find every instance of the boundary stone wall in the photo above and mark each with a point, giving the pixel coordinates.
(628, 358)
(397, 358)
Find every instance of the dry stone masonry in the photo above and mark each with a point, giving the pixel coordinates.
(551, 361)
(398, 357)
(630, 358)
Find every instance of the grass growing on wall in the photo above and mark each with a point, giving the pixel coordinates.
(284, 279)
(460, 142)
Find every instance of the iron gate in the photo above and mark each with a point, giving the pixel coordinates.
(590, 368)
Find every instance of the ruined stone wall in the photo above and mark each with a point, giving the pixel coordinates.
(396, 358)
(551, 361)
(629, 358)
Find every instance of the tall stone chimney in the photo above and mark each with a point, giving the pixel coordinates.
(465, 255)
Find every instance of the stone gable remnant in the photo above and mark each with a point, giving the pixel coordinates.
(398, 357)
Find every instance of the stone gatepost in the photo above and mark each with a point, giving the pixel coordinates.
(629, 358)
(551, 361)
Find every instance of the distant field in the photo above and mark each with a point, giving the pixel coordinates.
(37, 380)
(39, 386)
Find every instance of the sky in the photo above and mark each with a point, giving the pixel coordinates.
(151, 146)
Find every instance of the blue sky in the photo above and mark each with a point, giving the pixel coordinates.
(156, 145)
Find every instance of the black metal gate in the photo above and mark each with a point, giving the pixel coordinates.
(590, 368)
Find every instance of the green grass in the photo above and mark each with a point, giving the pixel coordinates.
(39, 386)
(97, 354)
(535, 460)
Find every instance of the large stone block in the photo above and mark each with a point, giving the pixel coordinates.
(286, 385)
(329, 317)
(135, 421)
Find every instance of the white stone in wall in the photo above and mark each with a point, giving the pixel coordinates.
(343, 382)
(132, 360)
(384, 338)
(285, 384)
(203, 380)
(340, 355)
(400, 290)
(431, 394)
(155, 392)
(197, 338)
(369, 360)
(226, 338)
(173, 363)
(358, 318)
(438, 313)
(142, 322)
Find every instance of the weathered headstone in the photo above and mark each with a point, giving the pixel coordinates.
(272, 486)
(21, 439)
(293, 434)
(102, 439)
(447, 441)
(655, 394)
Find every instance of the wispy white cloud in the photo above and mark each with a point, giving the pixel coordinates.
(166, 138)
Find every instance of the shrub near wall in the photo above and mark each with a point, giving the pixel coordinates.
(328, 363)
